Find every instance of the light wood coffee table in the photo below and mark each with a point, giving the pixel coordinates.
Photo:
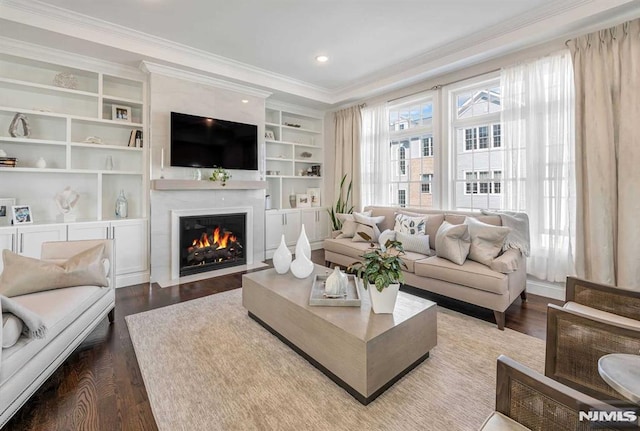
(363, 352)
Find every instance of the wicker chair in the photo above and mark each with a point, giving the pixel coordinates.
(596, 320)
(526, 400)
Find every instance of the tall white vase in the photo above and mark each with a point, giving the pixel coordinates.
(302, 267)
(303, 246)
(282, 258)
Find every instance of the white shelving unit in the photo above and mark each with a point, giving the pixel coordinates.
(295, 152)
(61, 119)
(292, 154)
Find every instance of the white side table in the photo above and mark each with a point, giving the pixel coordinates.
(621, 371)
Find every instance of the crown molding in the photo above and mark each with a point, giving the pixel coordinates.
(293, 108)
(174, 72)
(42, 15)
(65, 58)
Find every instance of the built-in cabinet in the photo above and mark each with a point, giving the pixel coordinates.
(82, 125)
(130, 241)
(290, 222)
(294, 165)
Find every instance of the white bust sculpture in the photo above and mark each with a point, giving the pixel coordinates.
(66, 201)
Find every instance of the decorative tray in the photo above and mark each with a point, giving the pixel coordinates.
(317, 297)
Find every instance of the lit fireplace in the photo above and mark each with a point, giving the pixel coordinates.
(211, 242)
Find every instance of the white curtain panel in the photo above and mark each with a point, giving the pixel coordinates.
(539, 178)
(347, 157)
(375, 165)
(607, 72)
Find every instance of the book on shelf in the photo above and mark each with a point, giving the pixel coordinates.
(132, 138)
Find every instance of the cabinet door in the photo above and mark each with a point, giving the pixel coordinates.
(130, 237)
(310, 221)
(274, 222)
(292, 225)
(93, 230)
(323, 230)
(30, 238)
(7, 241)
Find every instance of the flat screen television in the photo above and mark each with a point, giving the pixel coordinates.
(201, 142)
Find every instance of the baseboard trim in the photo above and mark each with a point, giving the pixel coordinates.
(133, 278)
(546, 289)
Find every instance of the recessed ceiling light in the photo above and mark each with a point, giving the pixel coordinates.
(245, 101)
(322, 58)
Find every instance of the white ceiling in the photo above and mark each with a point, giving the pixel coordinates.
(373, 45)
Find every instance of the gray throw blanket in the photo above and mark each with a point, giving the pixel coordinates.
(34, 327)
(518, 238)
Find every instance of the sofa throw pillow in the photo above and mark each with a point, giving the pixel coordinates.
(386, 236)
(349, 224)
(453, 242)
(11, 330)
(23, 275)
(410, 225)
(486, 240)
(367, 225)
(415, 243)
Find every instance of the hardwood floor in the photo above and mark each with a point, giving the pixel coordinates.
(99, 387)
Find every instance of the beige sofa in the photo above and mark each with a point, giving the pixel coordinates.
(471, 282)
(70, 314)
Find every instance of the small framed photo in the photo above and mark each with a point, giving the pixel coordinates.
(21, 214)
(121, 113)
(268, 134)
(5, 209)
(303, 201)
(314, 196)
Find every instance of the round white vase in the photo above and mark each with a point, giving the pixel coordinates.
(383, 302)
(282, 258)
(336, 284)
(303, 246)
(41, 163)
(302, 267)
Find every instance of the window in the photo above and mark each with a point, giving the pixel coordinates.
(478, 153)
(427, 147)
(426, 183)
(412, 153)
(402, 198)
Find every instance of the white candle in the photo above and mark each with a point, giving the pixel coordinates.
(162, 158)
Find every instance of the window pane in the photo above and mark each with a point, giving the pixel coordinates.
(415, 116)
(497, 142)
(394, 117)
(463, 103)
(495, 100)
(483, 137)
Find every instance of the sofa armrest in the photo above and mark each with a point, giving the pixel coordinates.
(63, 250)
(611, 299)
(507, 262)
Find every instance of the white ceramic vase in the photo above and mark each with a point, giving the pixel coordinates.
(336, 284)
(41, 163)
(302, 267)
(282, 258)
(383, 302)
(303, 246)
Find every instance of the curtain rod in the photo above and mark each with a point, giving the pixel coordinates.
(439, 86)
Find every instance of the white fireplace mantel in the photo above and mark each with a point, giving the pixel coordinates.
(173, 184)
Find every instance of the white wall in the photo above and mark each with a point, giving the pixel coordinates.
(169, 94)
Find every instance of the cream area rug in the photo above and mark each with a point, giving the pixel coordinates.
(208, 366)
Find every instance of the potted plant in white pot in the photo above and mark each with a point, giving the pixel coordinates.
(381, 274)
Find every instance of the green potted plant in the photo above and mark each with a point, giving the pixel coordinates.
(220, 174)
(381, 274)
(341, 206)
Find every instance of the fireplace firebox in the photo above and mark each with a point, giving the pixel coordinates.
(211, 242)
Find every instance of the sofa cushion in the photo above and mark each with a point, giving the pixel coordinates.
(431, 226)
(349, 224)
(453, 242)
(486, 240)
(460, 218)
(11, 329)
(23, 275)
(411, 225)
(368, 226)
(58, 309)
(471, 274)
(347, 247)
(386, 236)
(415, 243)
(410, 258)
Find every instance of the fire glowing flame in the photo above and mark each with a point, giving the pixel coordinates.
(219, 240)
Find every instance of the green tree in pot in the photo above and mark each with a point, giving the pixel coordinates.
(381, 273)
